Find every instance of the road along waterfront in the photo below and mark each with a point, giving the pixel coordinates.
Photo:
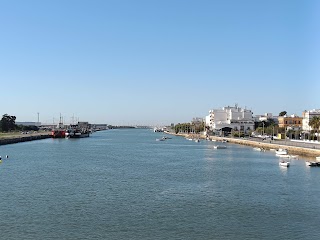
(303, 149)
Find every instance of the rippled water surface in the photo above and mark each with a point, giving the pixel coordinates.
(122, 184)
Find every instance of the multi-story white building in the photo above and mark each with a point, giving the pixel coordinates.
(307, 116)
(265, 117)
(235, 118)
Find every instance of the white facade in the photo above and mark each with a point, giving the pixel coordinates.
(307, 116)
(235, 118)
(265, 117)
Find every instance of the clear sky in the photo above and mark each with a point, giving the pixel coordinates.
(157, 61)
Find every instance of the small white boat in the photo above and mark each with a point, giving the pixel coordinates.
(220, 147)
(281, 151)
(283, 155)
(257, 149)
(197, 140)
(284, 163)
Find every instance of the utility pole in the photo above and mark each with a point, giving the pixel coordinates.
(38, 119)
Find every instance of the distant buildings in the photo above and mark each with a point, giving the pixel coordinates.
(265, 118)
(230, 118)
(99, 127)
(38, 124)
(307, 116)
(292, 122)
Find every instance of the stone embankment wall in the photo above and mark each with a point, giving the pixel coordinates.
(309, 152)
(24, 138)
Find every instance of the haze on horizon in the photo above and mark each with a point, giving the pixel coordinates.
(157, 62)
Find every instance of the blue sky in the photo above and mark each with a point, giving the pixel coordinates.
(157, 62)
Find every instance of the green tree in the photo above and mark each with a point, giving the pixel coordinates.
(315, 123)
(7, 123)
(282, 113)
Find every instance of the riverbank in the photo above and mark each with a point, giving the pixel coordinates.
(16, 138)
(296, 150)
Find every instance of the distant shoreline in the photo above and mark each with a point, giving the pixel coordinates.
(302, 151)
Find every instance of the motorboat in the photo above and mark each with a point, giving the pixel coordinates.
(197, 140)
(257, 149)
(284, 163)
(220, 147)
(281, 151)
(311, 164)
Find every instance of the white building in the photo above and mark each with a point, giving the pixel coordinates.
(307, 116)
(265, 117)
(235, 118)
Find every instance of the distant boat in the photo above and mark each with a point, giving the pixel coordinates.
(219, 147)
(311, 164)
(318, 159)
(197, 140)
(259, 149)
(58, 133)
(284, 163)
(281, 151)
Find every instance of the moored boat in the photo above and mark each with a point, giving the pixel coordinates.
(259, 149)
(58, 133)
(281, 151)
(219, 146)
(284, 163)
(74, 131)
(311, 164)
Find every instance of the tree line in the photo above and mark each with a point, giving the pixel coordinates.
(8, 123)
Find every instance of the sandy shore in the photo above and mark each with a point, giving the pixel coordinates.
(302, 151)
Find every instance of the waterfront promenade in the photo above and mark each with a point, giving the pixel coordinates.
(300, 148)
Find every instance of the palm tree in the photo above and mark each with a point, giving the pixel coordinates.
(315, 124)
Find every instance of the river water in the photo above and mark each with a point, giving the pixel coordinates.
(123, 184)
